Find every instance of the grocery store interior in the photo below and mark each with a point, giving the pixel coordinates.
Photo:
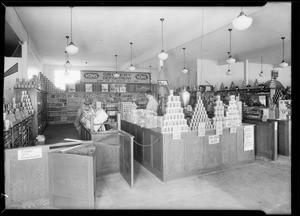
(148, 107)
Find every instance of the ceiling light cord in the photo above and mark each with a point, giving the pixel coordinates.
(261, 67)
(283, 48)
(162, 34)
(183, 57)
(230, 42)
(116, 63)
(71, 26)
(131, 54)
(201, 46)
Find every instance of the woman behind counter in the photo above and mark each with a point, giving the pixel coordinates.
(99, 117)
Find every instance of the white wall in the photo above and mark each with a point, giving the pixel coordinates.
(215, 74)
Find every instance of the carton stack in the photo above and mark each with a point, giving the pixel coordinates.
(174, 117)
(199, 115)
(233, 113)
(126, 107)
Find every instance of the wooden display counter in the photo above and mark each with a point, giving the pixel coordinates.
(191, 155)
(59, 175)
(265, 138)
(284, 137)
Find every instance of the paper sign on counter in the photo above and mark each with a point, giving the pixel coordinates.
(233, 126)
(214, 139)
(248, 138)
(30, 153)
(219, 128)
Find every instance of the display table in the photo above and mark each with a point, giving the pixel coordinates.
(191, 155)
(265, 138)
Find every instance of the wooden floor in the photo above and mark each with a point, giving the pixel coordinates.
(57, 133)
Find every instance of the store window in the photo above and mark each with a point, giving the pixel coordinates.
(32, 71)
(61, 79)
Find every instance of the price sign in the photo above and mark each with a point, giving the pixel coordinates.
(219, 128)
(30, 153)
(214, 139)
(176, 136)
(201, 129)
(233, 126)
(176, 132)
(248, 138)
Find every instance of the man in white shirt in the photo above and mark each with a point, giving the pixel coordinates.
(152, 102)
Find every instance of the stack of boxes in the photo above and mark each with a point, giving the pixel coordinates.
(174, 117)
(125, 107)
(233, 113)
(218, 112)
(199, 115)
(142, 117)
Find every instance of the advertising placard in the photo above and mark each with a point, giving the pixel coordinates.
(248, 138)
(201, 129)
(87, 76)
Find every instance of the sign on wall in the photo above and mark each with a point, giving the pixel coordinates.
(248, 138)
(87, 76)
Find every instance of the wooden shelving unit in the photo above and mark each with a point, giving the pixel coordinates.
(20, 135)
(38, 98)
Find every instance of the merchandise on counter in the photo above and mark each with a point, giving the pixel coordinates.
(174, 116)
(126, 107)
(142, 117)
(199, 114)
(233, 113)
(218, 113)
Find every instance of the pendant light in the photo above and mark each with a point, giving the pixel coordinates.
(230, 60)
(66, 72)
(283, 64)
(67, 65)
(162, 55)
(71, 48)
(184, 69)
(242, 22)
(228, 73)
(261, 74)
(116, 75)
(131, 68)
(86, 67)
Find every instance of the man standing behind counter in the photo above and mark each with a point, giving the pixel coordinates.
(152, 102)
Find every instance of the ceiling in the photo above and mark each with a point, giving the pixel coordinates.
(102, 32)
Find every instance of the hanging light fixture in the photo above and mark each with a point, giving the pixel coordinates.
(228, 73)
(71, 48)
(67, 65)
(283, 64)
(242, 22)
(66, 72)
(116, 75)
(230, 60)
(162, 55)
(131, 66)
(261, 74)
(184, 69)
(86, 67)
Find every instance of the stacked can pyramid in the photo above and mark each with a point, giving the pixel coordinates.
(218, 112)
(199, 115)
(174, 116)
